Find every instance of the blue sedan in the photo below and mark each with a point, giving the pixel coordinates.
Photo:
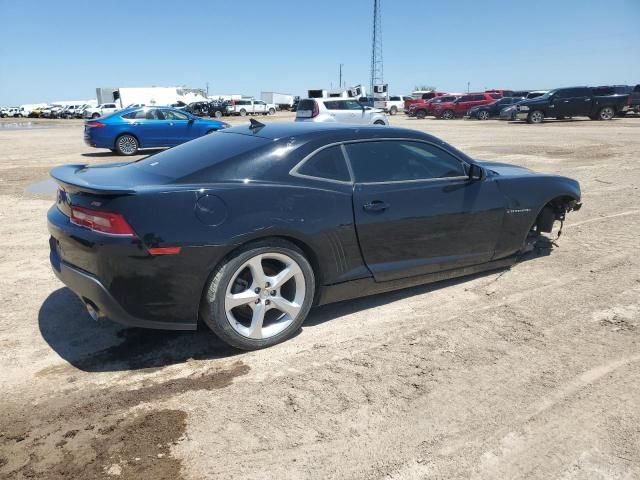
(131, 129)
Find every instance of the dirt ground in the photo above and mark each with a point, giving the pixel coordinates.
(531, 372)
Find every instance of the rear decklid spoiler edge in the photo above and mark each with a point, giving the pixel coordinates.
(67, 176)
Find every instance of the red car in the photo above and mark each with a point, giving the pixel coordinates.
(420, 96)
(459, 107)
(423, 108)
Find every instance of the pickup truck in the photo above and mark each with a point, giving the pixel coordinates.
(572, 102)
(459, 107)
(391, 105)
(101, 110)
(250, 107)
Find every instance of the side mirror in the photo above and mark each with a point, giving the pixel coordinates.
(475, 172)
(366, 107)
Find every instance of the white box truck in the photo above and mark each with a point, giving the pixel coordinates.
(283, 101)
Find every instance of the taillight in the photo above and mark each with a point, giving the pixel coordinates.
(94, 124)
(98, 221)
(316, 109)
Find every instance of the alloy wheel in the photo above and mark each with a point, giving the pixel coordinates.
(265, 295)
(447, 115)
(606, 113)
(537, 117)
(127, 145)
(483, 115)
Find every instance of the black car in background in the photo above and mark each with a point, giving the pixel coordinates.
(199, 109)
(593, 102)
(248, 227)
(492, 110)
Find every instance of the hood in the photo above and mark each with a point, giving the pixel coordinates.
(534, 101)
(505, 169)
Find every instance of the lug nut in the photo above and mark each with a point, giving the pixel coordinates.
(257, 290)
(267, 302)
(267, 285)
(273, 293)
(257, 301)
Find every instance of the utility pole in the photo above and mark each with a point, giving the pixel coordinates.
(340, 77)
(468, 84)
(376, 48)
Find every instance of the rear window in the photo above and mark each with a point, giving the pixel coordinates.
(205, 152)
(306, 105)
(395, 99)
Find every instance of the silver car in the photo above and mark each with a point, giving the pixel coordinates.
(339, 110)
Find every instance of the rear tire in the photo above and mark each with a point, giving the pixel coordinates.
(272, 111)
(393, 110)
(483, 115)
(217, 114)
(244, 305)
(127, 145)
(95, 115)
(379, 122)
(243, 113)
(535, 117)
(606, 113)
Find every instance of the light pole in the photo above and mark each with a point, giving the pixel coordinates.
(340, 76)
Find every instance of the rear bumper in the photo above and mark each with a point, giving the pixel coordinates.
(94, 294)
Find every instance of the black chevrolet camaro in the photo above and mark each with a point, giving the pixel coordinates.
(249, 227)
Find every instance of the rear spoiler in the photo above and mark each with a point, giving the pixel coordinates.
(67, 176)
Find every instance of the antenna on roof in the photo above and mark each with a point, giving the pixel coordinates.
(255, 124)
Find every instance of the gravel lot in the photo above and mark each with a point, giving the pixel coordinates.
(532, 372)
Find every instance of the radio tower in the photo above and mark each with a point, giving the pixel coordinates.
(376, 48)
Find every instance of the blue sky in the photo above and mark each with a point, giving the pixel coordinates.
(58, 50)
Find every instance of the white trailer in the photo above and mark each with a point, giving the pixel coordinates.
(283, 101)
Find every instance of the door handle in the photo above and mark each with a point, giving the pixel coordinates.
(375, 206)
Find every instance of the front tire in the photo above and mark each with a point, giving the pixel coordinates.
(606, 113)
(272, 111)
(127, 145)
(393, 110)
(260, 296)
(95, 115)
(483, 115)
(243, 113)
(379, 122)
(420, 114)
(448, 115)
(217, 114)
(535, 117)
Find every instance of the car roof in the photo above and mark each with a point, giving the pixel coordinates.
(279, 130)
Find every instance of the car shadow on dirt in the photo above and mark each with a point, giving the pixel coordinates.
(106, 346)
(328, 312)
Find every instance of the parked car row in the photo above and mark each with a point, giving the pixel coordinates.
(597, 103)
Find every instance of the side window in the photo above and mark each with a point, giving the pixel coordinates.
(566, 93)
(327, 163)
(401, 160)
(332, 105)
(351, 105)
(172, 115)
(466, 98)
